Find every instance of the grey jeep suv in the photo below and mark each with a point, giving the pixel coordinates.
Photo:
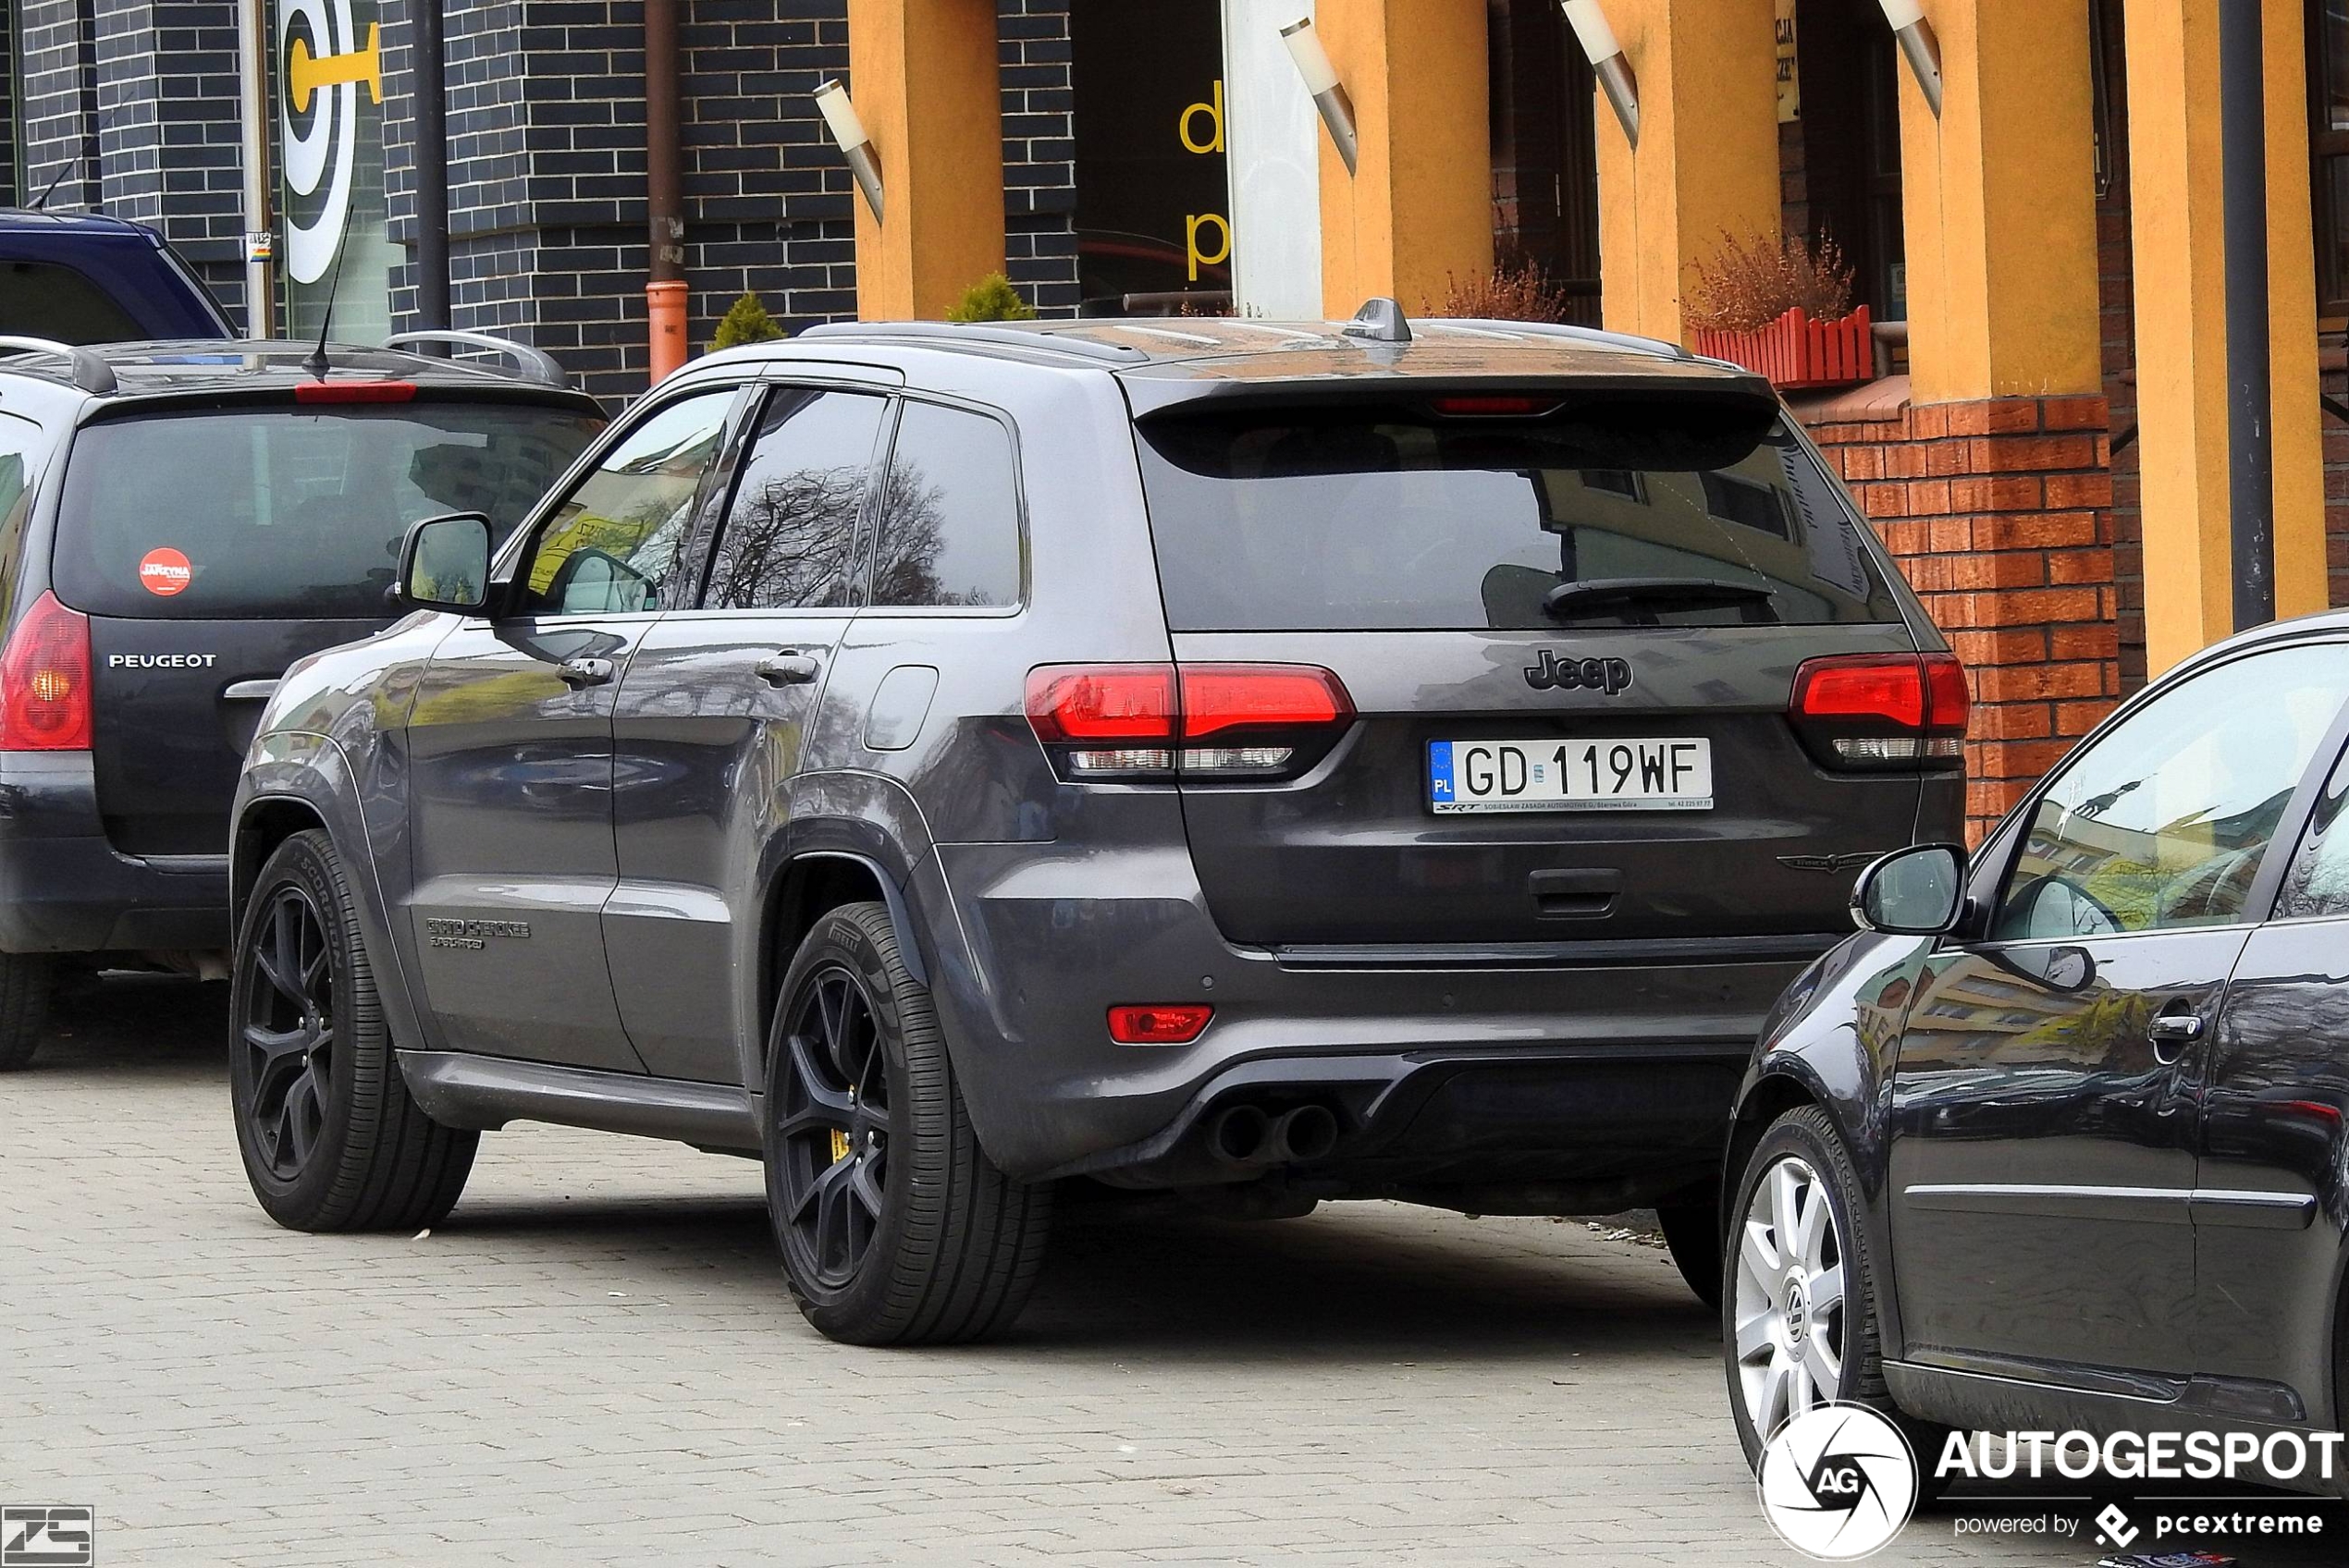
(1404, 759)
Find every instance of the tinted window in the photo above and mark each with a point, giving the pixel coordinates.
(949, 530)
(1699, 514)
(2164, 820)
(790, 538)
(20, 449)
(2317, 883)
(44, 299)
(282, 511)
(613, 542)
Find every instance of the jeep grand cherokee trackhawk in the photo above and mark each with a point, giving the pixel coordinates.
(1404, 760)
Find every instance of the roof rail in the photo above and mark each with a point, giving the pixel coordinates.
(91, 371)
(536, 365)
(1595, 337)
(946, 334)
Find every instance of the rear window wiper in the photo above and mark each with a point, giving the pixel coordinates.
(1570, 600)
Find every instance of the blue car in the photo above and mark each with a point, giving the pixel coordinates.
(81, 278)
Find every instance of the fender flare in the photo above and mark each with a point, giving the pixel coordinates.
(901, 914)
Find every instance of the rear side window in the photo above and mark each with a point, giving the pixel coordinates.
(790, 538)
(277, 512)
(20, 448)
(1635, 512)
(45, 299)
(949, 530)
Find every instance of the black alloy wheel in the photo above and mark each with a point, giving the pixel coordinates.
(285, 1033)
(832, 1128)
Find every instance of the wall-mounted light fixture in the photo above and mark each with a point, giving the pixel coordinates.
(1622, 89)
(848, 134)
(1321, 81)
(1923, 50)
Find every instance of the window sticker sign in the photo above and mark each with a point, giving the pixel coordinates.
(165, 572)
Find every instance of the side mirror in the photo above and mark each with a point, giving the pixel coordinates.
(1918, 892)
(444, 564)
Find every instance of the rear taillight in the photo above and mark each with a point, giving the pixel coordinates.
(45, 681)
(1882, 710)
(1146, 722)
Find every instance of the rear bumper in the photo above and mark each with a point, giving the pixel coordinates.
(65, 889)
(1585, 1068)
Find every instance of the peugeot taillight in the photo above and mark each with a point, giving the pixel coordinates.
(45, 681)
(1147, 722)
(1882, 710)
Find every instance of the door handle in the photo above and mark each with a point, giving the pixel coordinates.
(2176, 1031)
(588, 671)
(787, 669)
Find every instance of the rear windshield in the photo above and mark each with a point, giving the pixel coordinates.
(278, 512)
(1647, 514)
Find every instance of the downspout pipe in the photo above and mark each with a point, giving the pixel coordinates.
(2242, 159)
(252, 128)
(430, 68)
(664, 195)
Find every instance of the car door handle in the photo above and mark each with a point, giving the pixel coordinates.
(788, 669)
(2174, 1030)
(588, 671)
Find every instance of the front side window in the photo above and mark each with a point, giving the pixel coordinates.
(949, 526)
(610, 547)
(2163, 821)
(788, 541)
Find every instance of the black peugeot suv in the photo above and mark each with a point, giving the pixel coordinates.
(179, 522)
(1278, 763)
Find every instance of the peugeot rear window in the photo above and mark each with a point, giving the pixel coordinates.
(1637, 512)
(277, 512)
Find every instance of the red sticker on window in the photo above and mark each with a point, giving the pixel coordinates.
(165, 572)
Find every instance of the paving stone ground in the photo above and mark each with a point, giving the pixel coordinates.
(595, 1361)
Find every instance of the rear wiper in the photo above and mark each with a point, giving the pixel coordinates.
(1571, 599)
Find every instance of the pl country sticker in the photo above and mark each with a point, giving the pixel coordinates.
(165, 572)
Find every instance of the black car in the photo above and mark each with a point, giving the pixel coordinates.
(1283, 762)
(2058, 1142)
(181, 522)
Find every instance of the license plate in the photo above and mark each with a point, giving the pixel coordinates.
(1630, 775)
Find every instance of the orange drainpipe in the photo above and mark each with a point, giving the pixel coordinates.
(664, 294)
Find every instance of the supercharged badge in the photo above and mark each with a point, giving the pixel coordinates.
(472, 934)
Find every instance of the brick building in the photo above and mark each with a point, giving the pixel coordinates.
(2056, 323)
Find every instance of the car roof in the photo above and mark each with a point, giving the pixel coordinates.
(97, 225)
(214, 366)
(1231, 350)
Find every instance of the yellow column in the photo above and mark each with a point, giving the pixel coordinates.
(922, 73)
(1998, 206)
(1707, 162)
(2176, 199)
(1418, 211)
(2302, 585)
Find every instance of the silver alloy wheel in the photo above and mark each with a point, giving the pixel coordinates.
(1791, 1321)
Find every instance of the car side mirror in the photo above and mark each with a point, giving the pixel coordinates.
(1919, 891)
(444, 564)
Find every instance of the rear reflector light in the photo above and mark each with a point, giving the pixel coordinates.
(1173, 1026)
(45, 681)
(1883, 710)
(355, 392)
(1138, 722)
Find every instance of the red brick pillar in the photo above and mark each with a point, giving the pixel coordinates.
(2000, 512)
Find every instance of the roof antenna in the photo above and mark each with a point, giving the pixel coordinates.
(66, 168)
(316, 363)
